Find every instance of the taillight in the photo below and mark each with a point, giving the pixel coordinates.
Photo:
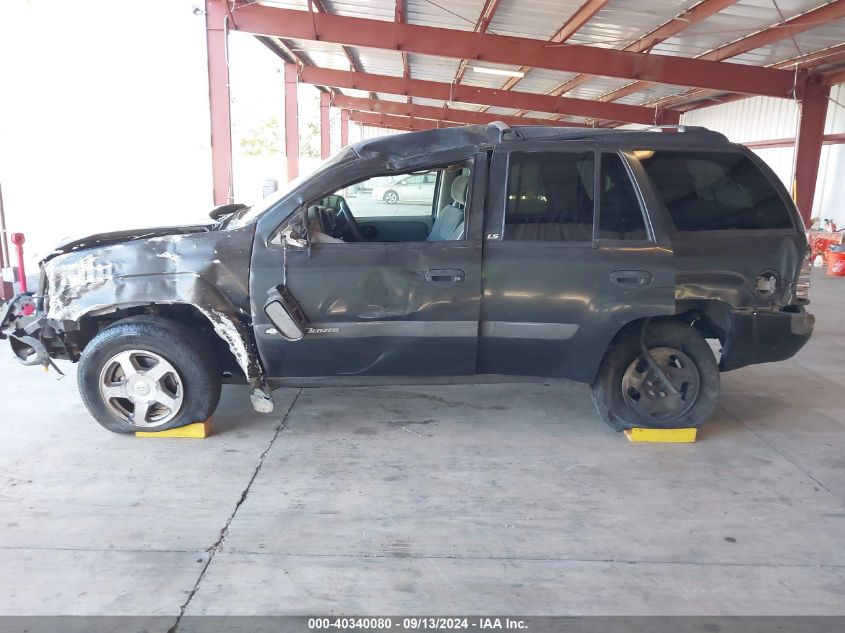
(802, 284)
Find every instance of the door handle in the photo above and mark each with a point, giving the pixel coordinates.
(631, 277)
(444, 276)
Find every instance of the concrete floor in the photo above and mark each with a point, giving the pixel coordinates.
(506, 499)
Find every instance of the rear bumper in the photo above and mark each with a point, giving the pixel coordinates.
(766, 336)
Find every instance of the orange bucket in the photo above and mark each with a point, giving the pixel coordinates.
(836, 263)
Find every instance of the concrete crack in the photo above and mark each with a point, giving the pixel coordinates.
(224, 532)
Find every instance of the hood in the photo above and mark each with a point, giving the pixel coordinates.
(69, 245)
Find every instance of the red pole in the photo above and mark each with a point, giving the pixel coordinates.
(18, 239)
(325, 127)
(291, 121)
(808, 145)
(344, 128)
(216, 22)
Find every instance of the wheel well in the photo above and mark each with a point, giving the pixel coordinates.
(186, 314)
(711, 318)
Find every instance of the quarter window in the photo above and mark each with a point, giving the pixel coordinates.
(706, 191)
(620, 216)
(550, 196)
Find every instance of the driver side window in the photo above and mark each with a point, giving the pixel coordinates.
(417, 206)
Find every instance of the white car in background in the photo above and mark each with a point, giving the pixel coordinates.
(410, 188)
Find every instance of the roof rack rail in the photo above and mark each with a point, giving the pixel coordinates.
(503, 131)
(677, 128)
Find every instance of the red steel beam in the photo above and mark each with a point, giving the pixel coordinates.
(399, 17)
(834, 77)
(218, 99)
(344, 128)
(801, 62)
(827, 139)
(325, 126)
(566, 106)
(441, 114)
(394, 122)
(693, 15)
(485, 47)
(798, 24)
(808, 145)
(291, 121)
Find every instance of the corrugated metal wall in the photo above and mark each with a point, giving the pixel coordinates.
(764, 119)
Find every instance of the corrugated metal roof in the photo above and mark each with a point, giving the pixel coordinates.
(452, 14)
(372, 9)
(815, 39)
(617, 24)
(730, 24)
(538, 19)
(621, 22)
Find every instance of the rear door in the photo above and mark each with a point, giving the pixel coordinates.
(570, 257)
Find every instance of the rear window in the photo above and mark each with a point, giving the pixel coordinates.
(707, 191)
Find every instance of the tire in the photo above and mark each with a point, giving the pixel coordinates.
(191, 384)
(390, 197)
(623, 410)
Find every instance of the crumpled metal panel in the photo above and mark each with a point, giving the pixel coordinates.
(208, 269)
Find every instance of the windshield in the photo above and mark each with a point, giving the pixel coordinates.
(251, 214)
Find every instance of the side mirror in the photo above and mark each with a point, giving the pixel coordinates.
(293, 235)
(290, 239)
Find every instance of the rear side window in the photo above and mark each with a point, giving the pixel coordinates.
(620, 214)
(550, 196)
(707, 191)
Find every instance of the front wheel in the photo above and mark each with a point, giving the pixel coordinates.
(628, 392)
(148, 374)
(391, 197)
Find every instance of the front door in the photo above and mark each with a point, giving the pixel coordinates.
(375, 307)
(570, 257)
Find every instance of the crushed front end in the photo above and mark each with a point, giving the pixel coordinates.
(34, 338)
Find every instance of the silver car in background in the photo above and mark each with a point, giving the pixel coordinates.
(411, 188)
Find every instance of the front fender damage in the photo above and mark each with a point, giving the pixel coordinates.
(207, 270)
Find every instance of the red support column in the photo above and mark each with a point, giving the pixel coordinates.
(344, 128)
(291, 121)
(325, 126)
(808, 146)
(218, 98)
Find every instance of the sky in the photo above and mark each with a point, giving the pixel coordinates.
(104, 118)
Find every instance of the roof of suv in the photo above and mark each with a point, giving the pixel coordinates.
(428, 141)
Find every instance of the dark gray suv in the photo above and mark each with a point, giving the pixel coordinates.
(603, 256)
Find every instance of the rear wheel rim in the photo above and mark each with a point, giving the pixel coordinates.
(648, 397)
(142, 388)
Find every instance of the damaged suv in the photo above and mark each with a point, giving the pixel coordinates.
(602, 256)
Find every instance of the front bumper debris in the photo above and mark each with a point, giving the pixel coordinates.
(31, 337)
